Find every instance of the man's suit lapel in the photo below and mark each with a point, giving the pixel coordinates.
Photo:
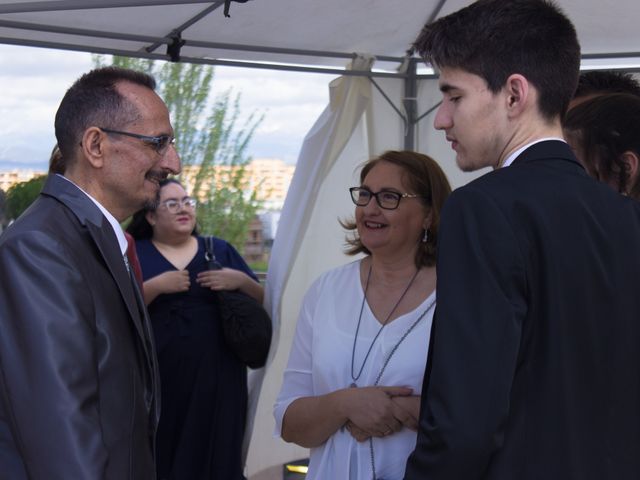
(100, 229)
(133, 299)
(115, 262)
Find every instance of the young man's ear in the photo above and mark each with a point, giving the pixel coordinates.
(518, 93)
(631, 163)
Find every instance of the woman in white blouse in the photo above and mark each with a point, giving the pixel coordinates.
(351, 387)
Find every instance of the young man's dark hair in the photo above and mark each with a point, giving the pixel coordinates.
(496, 38)
(93, 100)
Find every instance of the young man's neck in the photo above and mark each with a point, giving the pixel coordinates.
(530, 132)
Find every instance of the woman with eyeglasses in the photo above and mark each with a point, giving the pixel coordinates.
(204, 386)
(351, 389)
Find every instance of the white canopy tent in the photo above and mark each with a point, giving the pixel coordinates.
(261, 33)
(381, 101)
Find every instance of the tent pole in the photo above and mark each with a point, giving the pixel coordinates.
(410, 104)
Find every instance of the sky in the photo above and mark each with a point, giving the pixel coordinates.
(34, 80)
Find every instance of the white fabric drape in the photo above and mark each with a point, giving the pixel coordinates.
(350, 98)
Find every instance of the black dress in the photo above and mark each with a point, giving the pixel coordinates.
(204, 387)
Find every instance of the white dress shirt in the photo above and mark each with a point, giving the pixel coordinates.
(117, 229)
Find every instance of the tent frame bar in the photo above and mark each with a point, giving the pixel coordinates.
(59, 5)
(207, 61)
(169, 39)
(154, 42)
(193, 20)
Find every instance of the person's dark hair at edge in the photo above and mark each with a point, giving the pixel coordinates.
(93, 100)
(139, 228)
(497, 38)
(423, 176)
(606, 127)
(56, 162)
(606, 81)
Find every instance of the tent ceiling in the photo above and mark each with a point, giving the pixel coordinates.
(321, 34)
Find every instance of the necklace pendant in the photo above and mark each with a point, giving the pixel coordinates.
(353, 385)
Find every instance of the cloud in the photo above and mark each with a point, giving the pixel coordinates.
(291, 103)
(34, 80)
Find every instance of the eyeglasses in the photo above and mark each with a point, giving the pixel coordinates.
(160, 143)
(387, 199)
(174, 206)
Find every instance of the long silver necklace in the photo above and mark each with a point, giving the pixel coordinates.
(384, 367)
(355, 377)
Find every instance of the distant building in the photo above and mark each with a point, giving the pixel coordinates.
(255, 249)
(9, 178)
(269, 177)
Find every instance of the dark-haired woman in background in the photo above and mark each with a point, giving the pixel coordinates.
(604, 133)
(204, 386)
(351, 387)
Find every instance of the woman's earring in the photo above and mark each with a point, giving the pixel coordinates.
(425, 237)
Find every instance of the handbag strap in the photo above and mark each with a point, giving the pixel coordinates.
(209, 254)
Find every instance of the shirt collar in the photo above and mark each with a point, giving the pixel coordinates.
(115, 225)
(515, 154)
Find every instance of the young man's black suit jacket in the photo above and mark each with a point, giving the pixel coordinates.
(534, 370)
(78, 375)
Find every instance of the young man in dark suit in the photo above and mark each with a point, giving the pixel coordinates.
(78, 375)
(534, 369)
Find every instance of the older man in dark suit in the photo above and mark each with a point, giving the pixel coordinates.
(534, 371)
(78, 376)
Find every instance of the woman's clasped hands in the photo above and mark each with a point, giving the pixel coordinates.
(222, 279)
(380, 411)
(172, 281)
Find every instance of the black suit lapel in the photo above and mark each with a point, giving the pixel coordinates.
(128, 289)
(102, 233)
(115, 262)
(100, 229)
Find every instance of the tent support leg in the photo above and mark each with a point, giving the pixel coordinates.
(410, 104)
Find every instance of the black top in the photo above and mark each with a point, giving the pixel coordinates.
(204, 387)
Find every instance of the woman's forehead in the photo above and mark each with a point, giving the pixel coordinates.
(172, 190)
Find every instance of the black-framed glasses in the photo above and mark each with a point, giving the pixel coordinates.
(160, 143)
(387, 199)
(174, 206)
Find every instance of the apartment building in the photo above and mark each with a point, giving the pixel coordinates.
(9, 178)
(269, 177)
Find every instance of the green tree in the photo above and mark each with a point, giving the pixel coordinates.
(23, 194)
(3, 210)
(208, 135)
